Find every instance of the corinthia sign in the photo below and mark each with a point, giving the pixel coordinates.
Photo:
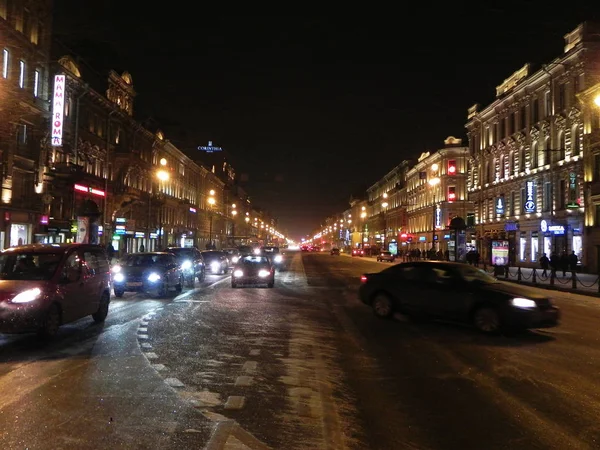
(58, 110)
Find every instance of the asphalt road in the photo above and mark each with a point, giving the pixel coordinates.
(304, 365)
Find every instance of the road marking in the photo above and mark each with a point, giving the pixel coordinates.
(142, 330)
(249, 366)
(159, 367)
(243, 380)
(174, 382)
(235, 402)
(255, 352)
(151, 355)
(146, 345)
(142, 336)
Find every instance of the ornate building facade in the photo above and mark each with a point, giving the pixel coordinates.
(526, 173)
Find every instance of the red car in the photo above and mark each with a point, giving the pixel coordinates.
(358, 252)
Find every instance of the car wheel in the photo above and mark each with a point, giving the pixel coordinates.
(487, 320)
(202, 276)
(271, 284)
(119, 293)
(162, 291)
(234, 285)
(102, 312)
(191, 281)
(51, 322)
(382, 305)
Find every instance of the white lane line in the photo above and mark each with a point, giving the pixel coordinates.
(235, 402)
(194, 291)
(250, 366)
(151, 355)
(243, 380)
(142, 336)
(161, 367)
(174, 382)
(142, 330)
(255, 352)
(146, 345)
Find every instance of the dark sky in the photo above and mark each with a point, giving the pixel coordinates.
(314, 108)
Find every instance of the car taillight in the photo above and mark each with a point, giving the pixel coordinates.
(363, 278)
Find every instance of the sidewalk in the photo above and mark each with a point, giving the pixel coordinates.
(585, 283)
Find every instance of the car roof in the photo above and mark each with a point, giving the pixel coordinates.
(49, 248)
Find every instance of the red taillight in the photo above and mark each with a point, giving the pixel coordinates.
(363, 278)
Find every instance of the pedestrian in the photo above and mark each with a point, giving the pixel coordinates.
(554, 263)
(142, 248)
(544, 263)
(564, 264)
(573, 260)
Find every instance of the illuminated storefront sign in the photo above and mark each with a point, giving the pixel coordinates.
(58, 110)
(192, 210)
(438, 217)
(500, 206)
(529, 204)
(89, 190)
(545, 227)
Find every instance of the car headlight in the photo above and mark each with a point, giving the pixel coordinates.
(235, 259)
(263, 273)
(257, 251)
(238, 273)
(153, 277)
(186, 265)
(278, 258)
(119, 277)
(215, 265)
(116, 269)
(520, 302)
(27, 296)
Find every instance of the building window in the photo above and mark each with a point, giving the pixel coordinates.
(597, 167)
(451, 193)
(5, 62)
(547, 104)
(562, 97)
(36, 83)
(535, 112)
(561, 194)
(512, 203)
(523, 118)
(562, 145)
(34, 33)
(534, 155)
(3, 8)
(502, 133)
(511, 124)
(21, 74)
(547, 197)
(22, 134)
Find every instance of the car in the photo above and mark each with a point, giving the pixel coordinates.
(233, 255)
(43, 286)
(457, 292)
(335, 251)
(253, 269)
(386, 256)
(358, 252)
(216, 262)
(156, 273)
(277, 257)
(192, 264)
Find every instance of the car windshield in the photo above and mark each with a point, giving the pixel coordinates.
(212, 255)
(181, 253)
(146, 259)
(255, 260)
(471, 274)
(271, 249)
(28, 266)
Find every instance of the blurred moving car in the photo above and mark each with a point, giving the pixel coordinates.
(233, 254)
(358, 252)
(386, 256)
(153, 272)
(43, 286)
(216, 262)
(276, 256)
(253, 270)
(457, 292)
(191, 262)
(335, 251)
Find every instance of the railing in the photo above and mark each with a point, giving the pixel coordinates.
(570, 280)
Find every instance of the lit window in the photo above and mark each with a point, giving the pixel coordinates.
(36, 83)
(452, 167)
(451, 193)
(21, 74)
(5, 64)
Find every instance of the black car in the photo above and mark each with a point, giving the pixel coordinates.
(275, 255)
(154, 272)
(335, 252)
(216, 262)
(191, 262)
(255, 269)
(457, 292)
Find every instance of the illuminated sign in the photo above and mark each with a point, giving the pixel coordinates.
(438, 217)
(58, 110)
(452, 167)
(192, 210)
(451, 193)
(44, 220)
(500, 206)
(89, 190)
(529, 205)
(209, 148)
(554, 229)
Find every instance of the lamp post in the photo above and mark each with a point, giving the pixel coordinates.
(434, 181)
(363, 216)
(233, 216)
(247, 220)
(384, 205)
(161, 175)
(211, 203)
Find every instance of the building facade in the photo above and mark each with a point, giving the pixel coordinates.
(526, 172)
(25, 27)
(436, 193)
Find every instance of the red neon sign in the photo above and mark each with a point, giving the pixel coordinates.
(89, 190)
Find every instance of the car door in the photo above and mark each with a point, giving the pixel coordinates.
(401, 281)
(446, 293)
(95, 269)
(72, 285)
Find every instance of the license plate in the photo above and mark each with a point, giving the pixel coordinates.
(134, 284)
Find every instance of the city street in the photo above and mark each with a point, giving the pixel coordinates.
(304, 365)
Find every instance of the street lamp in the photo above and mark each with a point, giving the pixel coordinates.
(384, 205)
(163, 176)
(211, 203)
(363, 215)
(233, 214)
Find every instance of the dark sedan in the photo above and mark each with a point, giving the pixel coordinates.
(191, 262)
(253, 270)
(156, 273)
(216, 262)
(456, 292)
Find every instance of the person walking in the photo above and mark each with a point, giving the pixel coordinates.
(545, 264)
(573, 260)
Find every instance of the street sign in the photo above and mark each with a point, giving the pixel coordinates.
(209, 148)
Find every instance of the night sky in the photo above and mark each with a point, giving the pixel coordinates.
(313, 108)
